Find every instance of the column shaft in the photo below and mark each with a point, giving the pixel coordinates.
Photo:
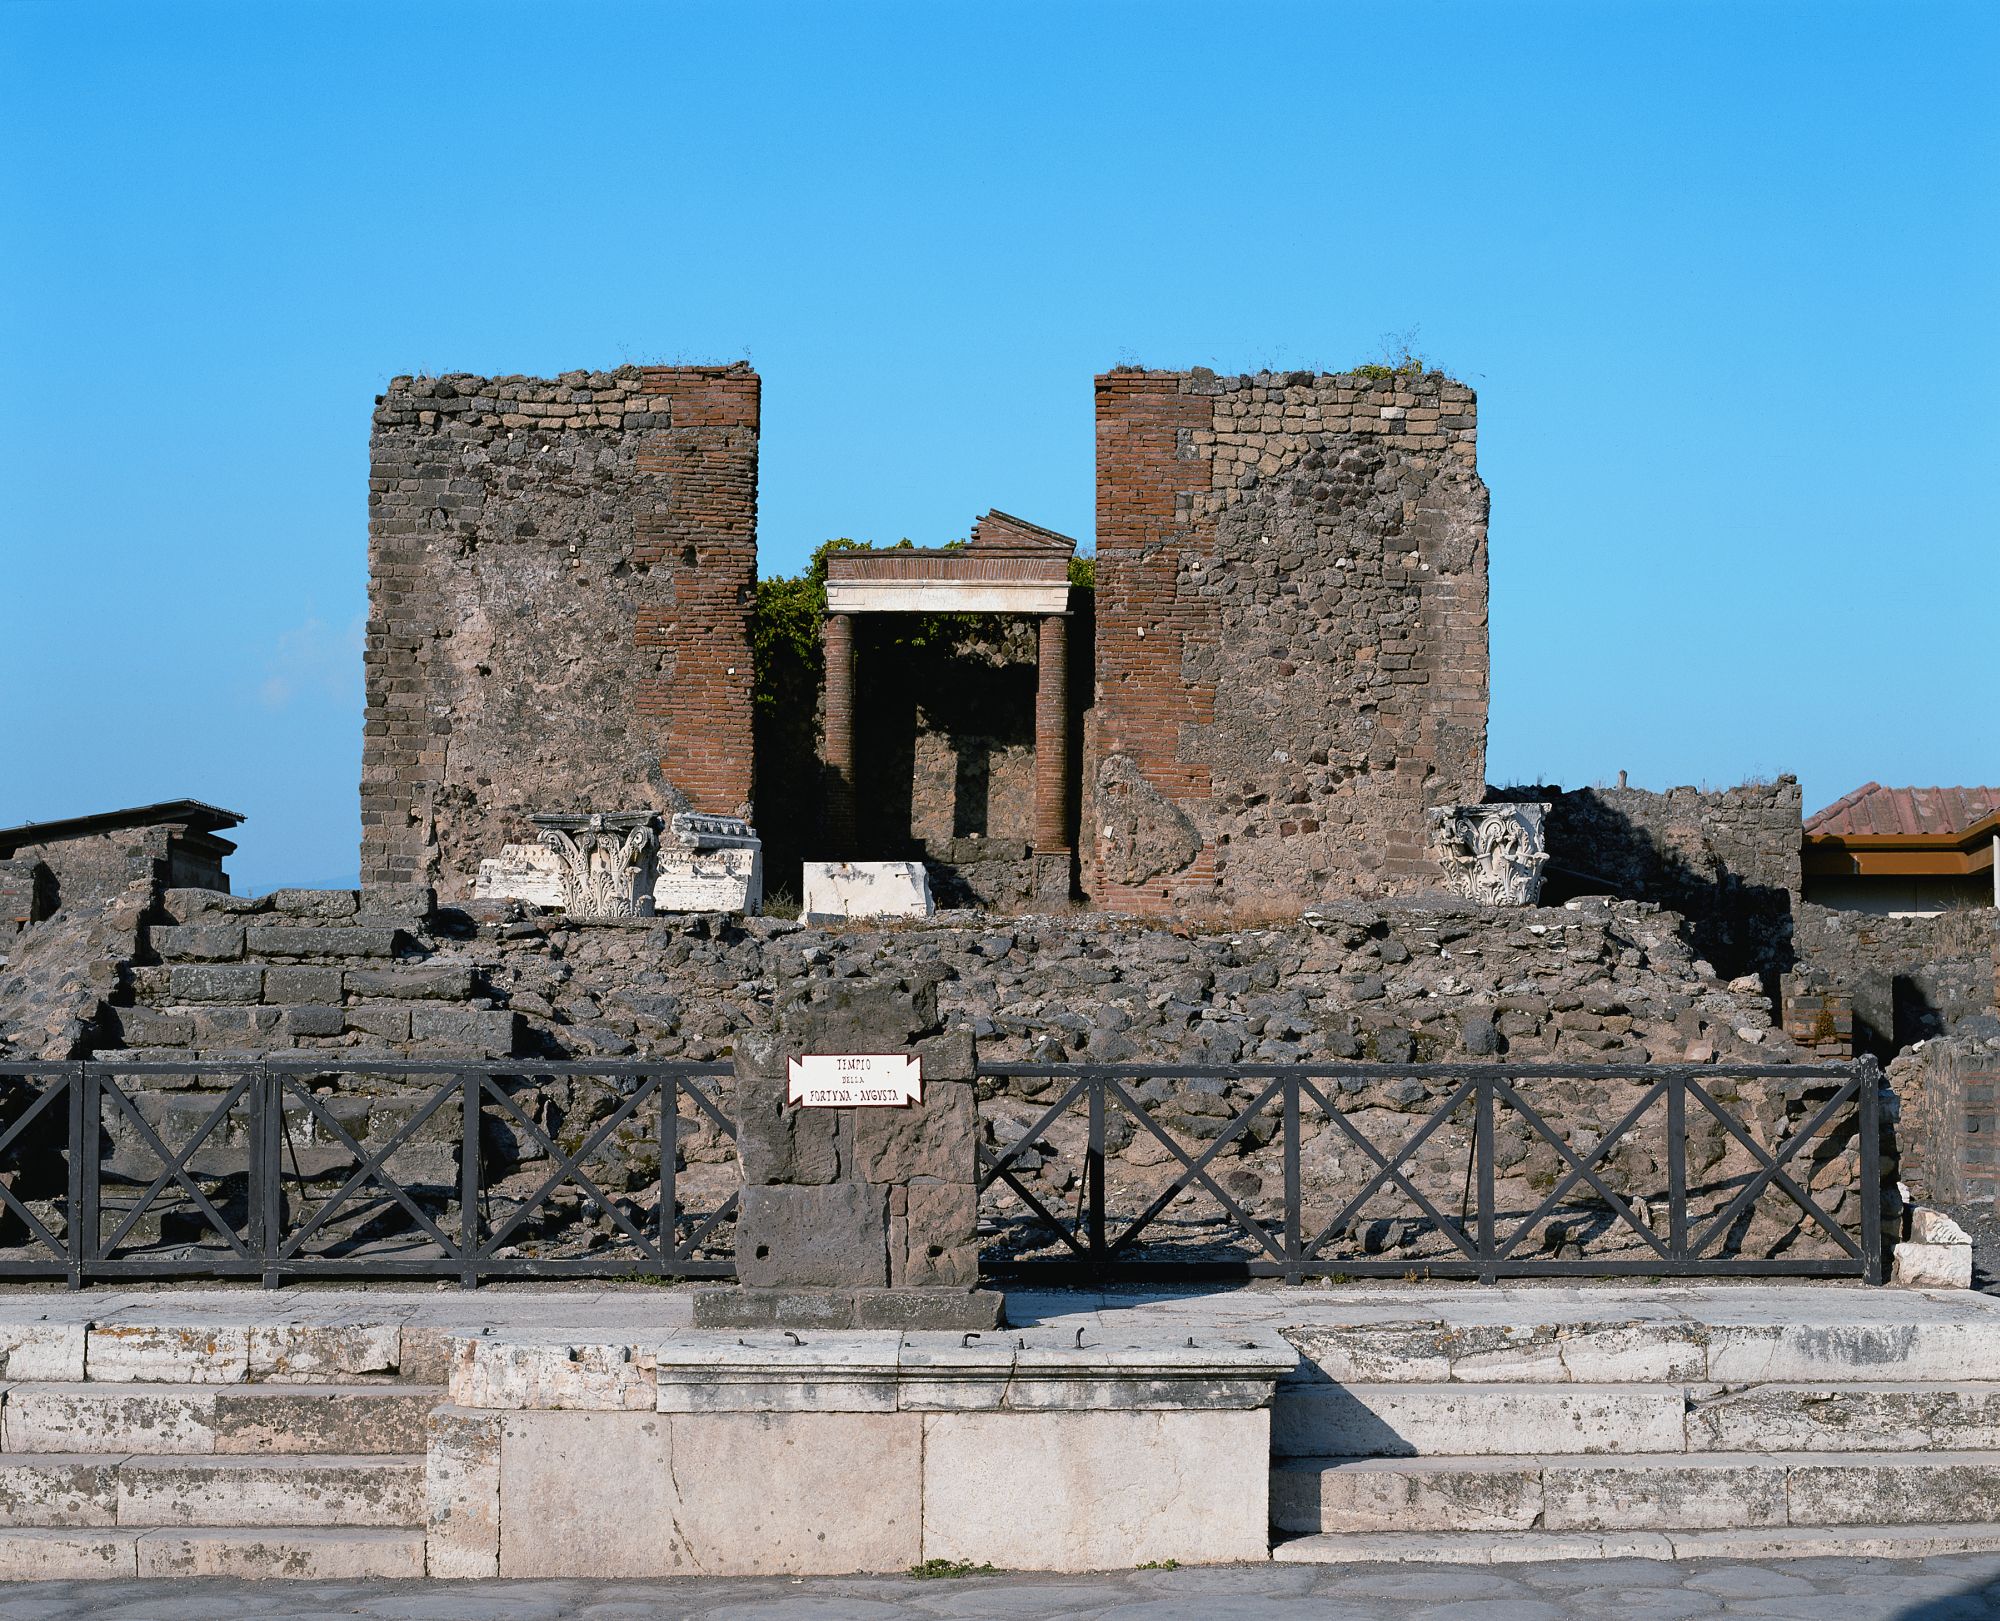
(837, 805)
(1052, 738)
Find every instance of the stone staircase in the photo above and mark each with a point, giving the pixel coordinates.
(343, 972)
(1576, 1437)
(280, 1450)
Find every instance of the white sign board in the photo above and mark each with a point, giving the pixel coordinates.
(855, 1080)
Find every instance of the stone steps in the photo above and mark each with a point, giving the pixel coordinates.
(233, 1420)
(1529, 1419)
(63, 1490)
(1659, 1492)
(1520, 1547)
(274, 1552)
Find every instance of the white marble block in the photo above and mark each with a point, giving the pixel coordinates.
(838, 889)
(521, 872)
(1938, 1254)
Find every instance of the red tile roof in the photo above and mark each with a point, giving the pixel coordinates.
(1873, 811)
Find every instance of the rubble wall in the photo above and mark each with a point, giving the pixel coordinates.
(1291, 644)
(561, 573)
(1911, 978)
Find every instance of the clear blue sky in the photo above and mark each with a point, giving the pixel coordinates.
(1723, 274)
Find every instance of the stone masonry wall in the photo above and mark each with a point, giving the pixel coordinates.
(1911, 978)
(1291, 644)
(561, 573)
(1726, 859)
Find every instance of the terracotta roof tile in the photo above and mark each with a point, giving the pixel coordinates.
(1874, 811)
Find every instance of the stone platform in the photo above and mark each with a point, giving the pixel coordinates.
(336, 1433)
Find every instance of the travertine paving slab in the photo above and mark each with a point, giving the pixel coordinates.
(1366, 1420)
(1845, 1418)
(57, 1490)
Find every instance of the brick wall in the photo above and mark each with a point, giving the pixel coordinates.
(1949, 1126)
(561, 573)
(1291, 641)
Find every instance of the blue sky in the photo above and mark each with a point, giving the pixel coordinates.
(1723, 274)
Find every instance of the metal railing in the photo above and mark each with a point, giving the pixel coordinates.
(234, 1180)
(1686, 1229)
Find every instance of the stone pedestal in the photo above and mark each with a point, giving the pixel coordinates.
(860, 1217)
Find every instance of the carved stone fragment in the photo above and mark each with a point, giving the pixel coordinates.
(1493, 854)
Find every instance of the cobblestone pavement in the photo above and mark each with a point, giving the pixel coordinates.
(1957, 1588)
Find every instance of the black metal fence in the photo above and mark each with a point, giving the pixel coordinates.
(259, 1176)
(263, 1169)
(1686, 1223)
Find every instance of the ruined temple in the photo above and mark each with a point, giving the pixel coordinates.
(1283, 665)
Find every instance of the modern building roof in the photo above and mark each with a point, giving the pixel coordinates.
(1938, 832)
(188, 813)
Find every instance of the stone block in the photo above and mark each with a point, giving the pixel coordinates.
(442, 982)
(312, 1021)
(801, 1494)
(845, 889)
(829, 1371)
(302, 984)
(42, 1350)
(404, 903)
(743, 1306)
(828, 1237)
(43, 1555)
(58, 1489)
(777, 1142)
(1407, 1494)
(470, 1031)
(1933, 1266)
(521, 872)
(224, 1491)
(932, 1138)
(462, 1493)
(384, 1023)
(194, 905)
(1853, 1352)
(316, 1353)
(1325, 1420)
(1662, 1494)
(1097, 1490)
(295, 1553)
(951, 1055)
(168, 1354)
(590, 1494)
(1895, 1489)
(148, 1027)
(1845, 1418)
(877, 1015)
(292, 940)
(198, 942)
(515, 1374)
(108, 1418)
(929, 1307)
(934, 1234)
(248, 1028)
(729, 880)
(331, 1420)
(325, 905)
(195, 982)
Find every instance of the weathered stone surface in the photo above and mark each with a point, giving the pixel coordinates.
(1414, 1494)
(1933, 1266)
(860, 889)
(198, 942)
(271, 1491)
(101, 1418)
(1109, 1488)
(205, 1353)
(319, 1353)
(447, 982)
(219, 983)
(352, 1420)
(285, 940)
(58, 1490)
(1850, 1418)
(298, 983)
(291, 1554)
(462, 1493)
(464, 1029)
(931, 1138)
(42, 1350)
(1143, 835)
(1386, 1420)
(591, 1494)
(828, 1237)
(1895, 1489)
(42, 1555)
(491, 1372)
(799, 1493)
(1665, 1493)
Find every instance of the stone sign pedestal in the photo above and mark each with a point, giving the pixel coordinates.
(862, 1217)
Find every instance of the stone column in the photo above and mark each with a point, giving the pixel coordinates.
(837, 805)
(1052, 844)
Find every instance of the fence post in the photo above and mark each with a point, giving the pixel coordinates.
(1868, 1098)
(1677, 1167)
(267, 1105)
(1483, 1150)
(1294, 1197)
(1093, 1177)
(470, 1083)
(670, 1147)
(81, 1236)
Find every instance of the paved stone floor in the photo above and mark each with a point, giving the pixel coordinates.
(1941, 1589)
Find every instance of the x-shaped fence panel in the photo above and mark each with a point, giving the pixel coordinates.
(290, 1168)
(1492, 1170)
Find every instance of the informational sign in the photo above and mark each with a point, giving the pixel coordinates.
(856, 1080)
